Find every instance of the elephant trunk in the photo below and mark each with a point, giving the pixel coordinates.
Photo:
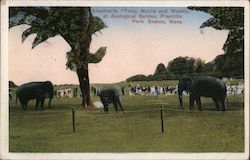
(180, 97)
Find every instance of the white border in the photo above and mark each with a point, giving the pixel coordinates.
(142, 3)
(246, 82)
(4, 113)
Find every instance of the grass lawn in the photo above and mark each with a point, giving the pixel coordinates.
(50, 130)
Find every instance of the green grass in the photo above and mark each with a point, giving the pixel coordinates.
(50, 130)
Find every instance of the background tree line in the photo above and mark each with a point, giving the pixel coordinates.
(221, 66)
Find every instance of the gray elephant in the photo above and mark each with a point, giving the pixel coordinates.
(108, 96)
(35, 90)
(203, 86)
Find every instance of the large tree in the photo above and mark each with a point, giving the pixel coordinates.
(230, 64)
(160, 69)
(75, 24)
(182, 65)
(199, 65)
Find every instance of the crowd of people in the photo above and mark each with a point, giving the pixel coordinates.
(64, 93)
(235, 89)
(151, 90)
(137, 90)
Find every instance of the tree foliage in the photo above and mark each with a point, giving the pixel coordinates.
(230, 64)
(182, 65)
(75, 24)
(199, 65)
(12, 84)
(160, 69)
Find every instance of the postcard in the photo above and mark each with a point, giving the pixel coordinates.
(124, 80)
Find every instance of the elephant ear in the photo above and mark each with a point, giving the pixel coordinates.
(187, 81)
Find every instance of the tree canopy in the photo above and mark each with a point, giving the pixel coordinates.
(160, 69)
(230, 64)
(75, 24)
(12, 84)
(181, 65)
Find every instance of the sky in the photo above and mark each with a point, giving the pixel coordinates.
(132, 48)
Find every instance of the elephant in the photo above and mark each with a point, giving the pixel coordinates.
(203, 86)
(108, 96)
(35, 90)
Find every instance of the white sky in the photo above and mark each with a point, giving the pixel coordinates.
(131, 49)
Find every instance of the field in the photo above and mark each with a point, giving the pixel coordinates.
(135, 130)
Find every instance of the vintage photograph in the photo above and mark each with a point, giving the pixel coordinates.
(123, 79)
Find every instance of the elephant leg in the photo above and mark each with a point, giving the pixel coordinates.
(105, 104)
(191, 102)
(42, 103)
(50, 101)
(22, 101)
(223, 104)
(37, 103)
(216, 104)
(25, 104)
(115, 104)
(119, 103)
(106, 108)
(198, 101)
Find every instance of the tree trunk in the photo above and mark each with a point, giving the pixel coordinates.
(83, 76)
(82, 70)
